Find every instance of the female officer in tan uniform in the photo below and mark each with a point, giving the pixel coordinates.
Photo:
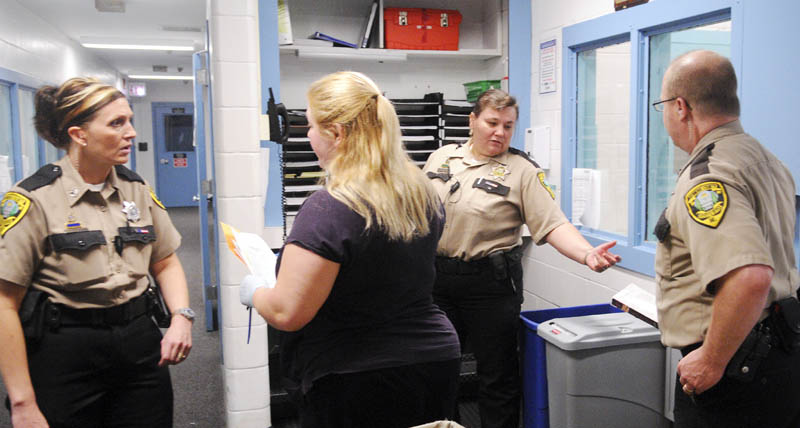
(489, 191)
(83, 233)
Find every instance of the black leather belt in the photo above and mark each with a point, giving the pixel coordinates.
(689, 348)
(456, 266)
(115, 315)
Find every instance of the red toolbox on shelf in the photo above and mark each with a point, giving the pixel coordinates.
(426, 29)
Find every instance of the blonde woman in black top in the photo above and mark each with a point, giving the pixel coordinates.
(364, 345)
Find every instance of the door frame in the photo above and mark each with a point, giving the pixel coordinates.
(188, 107)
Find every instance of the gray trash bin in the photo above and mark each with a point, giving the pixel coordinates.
(604, 371)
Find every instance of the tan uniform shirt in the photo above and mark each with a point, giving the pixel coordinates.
(733, 206)
(62, 240)
(487, 201)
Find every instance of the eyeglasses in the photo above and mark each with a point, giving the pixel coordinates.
(659, 105)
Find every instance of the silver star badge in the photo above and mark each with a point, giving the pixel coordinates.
(131, 210)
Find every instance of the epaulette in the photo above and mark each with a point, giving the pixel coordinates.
(524, 155)
(44, 176)
(700, 165)
(128, 174)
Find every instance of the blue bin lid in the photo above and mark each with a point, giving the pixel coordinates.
(597, 331)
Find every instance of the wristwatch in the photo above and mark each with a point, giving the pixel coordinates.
(187, 313)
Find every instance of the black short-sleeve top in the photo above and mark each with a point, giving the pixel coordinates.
(380, 312)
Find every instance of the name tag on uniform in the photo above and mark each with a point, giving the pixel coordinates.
(441, 175)
(491, 186)
(137, 234)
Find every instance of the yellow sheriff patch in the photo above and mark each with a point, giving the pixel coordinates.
(707, 203)
(12, 208)
(546, 186)
(155, 199)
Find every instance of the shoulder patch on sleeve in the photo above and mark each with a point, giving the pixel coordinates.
(544, 184)
(524, 155)
(13, 207)
(707, 202)
(128, 174)
(44, 176)
(155, 198)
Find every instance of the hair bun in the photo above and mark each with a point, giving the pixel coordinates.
(45, 118)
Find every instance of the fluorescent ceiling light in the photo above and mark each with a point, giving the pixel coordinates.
(138, 47)
(159, 77)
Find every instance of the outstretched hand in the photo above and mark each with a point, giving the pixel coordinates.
(599, 258)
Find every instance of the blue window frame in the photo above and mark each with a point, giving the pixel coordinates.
(635, 26)
(20, 145)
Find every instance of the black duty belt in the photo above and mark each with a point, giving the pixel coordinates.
(115, 315)
(689, 348)
(456, 266)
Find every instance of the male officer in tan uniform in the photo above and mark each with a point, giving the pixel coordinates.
(725, 254)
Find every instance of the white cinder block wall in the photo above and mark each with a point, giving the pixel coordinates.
(235, 87)
(552, 280)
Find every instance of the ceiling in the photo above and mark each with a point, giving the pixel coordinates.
(163, 21)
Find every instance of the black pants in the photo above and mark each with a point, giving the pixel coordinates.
(396, 397)
(108, 376)
(485, 312)
(771, 400)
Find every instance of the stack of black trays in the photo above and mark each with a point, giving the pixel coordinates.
(426, 124)
(455, 118)
(420, 124)
(301, 170)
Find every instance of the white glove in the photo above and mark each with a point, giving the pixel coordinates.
(248, 287)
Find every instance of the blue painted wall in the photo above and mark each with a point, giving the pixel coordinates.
(768, 78)
(271, 78)
(519, 65)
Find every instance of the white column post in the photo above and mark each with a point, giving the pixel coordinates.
(233, 27)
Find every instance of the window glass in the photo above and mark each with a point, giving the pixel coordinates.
(6, 146)
(30, 148)
(664, 160)
(180, 132)
(600, 201)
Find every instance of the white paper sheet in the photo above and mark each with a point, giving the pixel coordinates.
(586, 197)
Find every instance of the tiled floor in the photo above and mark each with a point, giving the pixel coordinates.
(467, 408)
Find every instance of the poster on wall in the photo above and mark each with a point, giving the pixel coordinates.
(547, 66)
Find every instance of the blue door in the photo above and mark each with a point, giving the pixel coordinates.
(176, 166)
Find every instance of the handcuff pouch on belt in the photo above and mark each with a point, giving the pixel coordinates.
(156, 306)
(33, 314)
(785, 323)
(503, 262)
(744, 364)
(499, 266)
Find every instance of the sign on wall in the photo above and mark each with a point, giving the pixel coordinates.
(547, 66)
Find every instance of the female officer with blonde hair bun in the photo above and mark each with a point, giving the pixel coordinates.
(77, 240)
(364, 345)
